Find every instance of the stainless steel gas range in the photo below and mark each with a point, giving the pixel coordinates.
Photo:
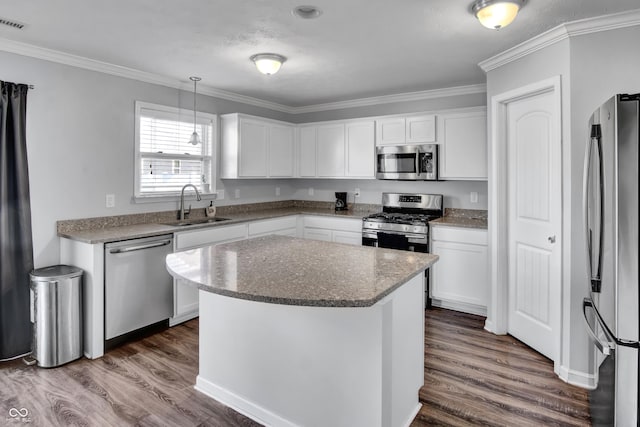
(403, 224)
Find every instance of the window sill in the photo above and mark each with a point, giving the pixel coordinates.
(160, 198)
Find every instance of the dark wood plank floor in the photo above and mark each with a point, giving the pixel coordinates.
(471, 378)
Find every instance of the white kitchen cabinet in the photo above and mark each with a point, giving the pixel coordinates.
(460, 278)
(414, 129)
(330, 229)
(463, 145)
(307, 151)
(360, 149)
(185, 297)
(330, 158)
(253, 147)
(285, 226)
(281, 151)
(337, 150)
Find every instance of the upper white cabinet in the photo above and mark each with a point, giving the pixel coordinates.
(336, 150)
(330, 161)
(360, 149)
(416, 129)
(253, 147)
(463, 145)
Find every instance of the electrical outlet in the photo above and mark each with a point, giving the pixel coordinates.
(311, 191)
(277, 191)
(237, 193)
(219, 194)
(356, 192)
(110, 200)
(474, 197)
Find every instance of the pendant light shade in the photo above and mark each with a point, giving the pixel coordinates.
(496, 14)
(268, 63)
(195, 138)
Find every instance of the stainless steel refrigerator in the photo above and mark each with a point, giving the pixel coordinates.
(611, 211)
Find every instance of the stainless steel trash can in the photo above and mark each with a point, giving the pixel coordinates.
(56, 314)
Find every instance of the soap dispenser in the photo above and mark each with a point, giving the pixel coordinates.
(210, 211)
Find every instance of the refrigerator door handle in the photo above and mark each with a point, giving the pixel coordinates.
(594, 141)
(612, 339)
(605, 347)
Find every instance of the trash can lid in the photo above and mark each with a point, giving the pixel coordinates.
(56, 272)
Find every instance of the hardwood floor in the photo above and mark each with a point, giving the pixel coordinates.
(471, 378)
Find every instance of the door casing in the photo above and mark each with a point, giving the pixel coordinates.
(497, 312)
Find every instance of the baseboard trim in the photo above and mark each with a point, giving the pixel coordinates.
(173, 321)
(577, 378)
(413, 415)
(460, 306)
(240, 404)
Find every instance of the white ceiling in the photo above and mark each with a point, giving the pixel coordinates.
(356, 49)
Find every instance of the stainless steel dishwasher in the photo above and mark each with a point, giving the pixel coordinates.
(138, 288)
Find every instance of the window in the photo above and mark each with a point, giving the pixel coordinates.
(165, 160)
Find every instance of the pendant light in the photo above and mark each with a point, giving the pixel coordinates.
(268, 63)
(195, 138)
(496, 14)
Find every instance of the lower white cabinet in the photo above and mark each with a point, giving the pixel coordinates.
(329, 229)
(285, 226)
(460, 278)
(185, 297)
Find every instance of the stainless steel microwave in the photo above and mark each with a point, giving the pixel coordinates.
(407, 162)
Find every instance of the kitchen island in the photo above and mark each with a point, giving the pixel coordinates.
(301, 332)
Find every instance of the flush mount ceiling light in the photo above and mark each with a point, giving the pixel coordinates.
(268, 63)
(306, 12)
(195, 138)
(496, 14)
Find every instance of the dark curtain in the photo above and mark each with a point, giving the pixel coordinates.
(16, 246)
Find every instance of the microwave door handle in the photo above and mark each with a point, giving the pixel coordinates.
(605, 347)
(594, 277)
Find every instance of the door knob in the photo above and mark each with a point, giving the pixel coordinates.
(552, 239)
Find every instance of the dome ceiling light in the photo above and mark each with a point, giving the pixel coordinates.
(268, 63)
(496, 14)
(306, 12)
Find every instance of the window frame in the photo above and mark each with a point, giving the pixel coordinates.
(184, 115)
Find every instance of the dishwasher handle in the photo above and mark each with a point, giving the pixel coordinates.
(139, 247)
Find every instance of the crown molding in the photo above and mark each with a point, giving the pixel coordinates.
(33, 51)
(59, 57)
(562, 32)
(388, 99)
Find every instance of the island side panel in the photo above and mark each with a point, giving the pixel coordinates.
(286, 365)
(403, 352)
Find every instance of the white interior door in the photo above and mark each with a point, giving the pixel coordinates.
(534, 206)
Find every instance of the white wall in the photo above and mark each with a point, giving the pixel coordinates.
(80, 141)
(456, 193)
(593, 67)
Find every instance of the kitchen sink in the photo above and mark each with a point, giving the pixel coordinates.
(185, 222)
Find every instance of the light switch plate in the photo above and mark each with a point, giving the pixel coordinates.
(237, 193)
(474, 197)
(219, 194)
(277, 191)
(110, 200)
(356, 192)
(311, 192)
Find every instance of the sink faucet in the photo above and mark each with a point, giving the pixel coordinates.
(182, 212)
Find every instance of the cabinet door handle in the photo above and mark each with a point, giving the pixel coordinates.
(139, 247)
(552, 239)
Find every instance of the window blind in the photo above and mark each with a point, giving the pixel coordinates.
(166, 160)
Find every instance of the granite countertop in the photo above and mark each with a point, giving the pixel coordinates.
(294, 271)
(465, 218)
(125, 232)
(453, 221)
